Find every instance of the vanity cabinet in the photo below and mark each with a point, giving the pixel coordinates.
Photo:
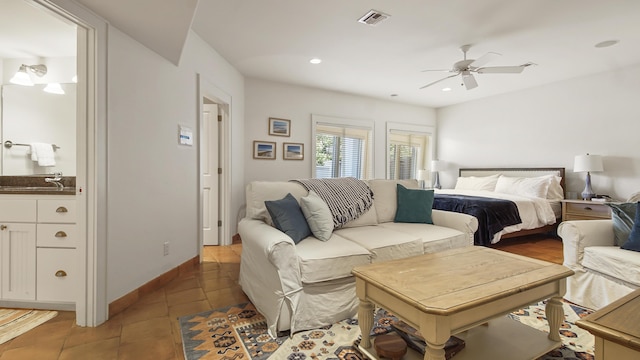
(38, 243)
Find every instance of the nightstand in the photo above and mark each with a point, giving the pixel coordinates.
(584, 210)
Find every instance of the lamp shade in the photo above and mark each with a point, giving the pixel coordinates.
(420, 175)
(589, 163)
(21, 77)
(437, 165)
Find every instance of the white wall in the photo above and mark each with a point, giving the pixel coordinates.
(152, 193)
(548, 126)
(266, 99)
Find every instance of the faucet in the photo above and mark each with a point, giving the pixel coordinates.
(56, 180)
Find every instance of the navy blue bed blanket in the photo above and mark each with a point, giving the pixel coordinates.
(493, 214)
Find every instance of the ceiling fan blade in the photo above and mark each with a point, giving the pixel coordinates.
(484, 59)
(469, 81)
(501, 69)
(438, 70)
(437, 81)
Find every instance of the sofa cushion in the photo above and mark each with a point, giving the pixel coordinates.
(434, 238)
(383, 244)
(414, 205)
(385, 197)
(318, 215)
(329, 260)
(633, 243)
(257, 192)
(287, 217)
(366, 219)
(622, 215)
(614, 262)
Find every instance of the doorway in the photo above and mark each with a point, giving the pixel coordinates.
(213, 187)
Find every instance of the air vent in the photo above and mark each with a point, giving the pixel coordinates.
(373, 17)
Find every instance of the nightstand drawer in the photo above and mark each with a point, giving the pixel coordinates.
(587, 211)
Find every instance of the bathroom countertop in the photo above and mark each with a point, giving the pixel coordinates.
(36, 185)
(37, 190)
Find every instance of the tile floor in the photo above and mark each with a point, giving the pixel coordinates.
(149, 329)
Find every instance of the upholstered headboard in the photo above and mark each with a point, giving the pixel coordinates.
(515, 172)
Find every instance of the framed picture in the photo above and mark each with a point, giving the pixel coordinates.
(279, 127)
(293, 151)
(264, 150)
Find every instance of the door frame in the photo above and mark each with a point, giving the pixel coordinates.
(92, 308)
(206, 89)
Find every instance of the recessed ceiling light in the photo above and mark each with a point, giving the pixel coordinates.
(315, 61)
(393, 95)
(607, 43)
(446, 89)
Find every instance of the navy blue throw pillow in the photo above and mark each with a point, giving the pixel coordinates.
(633, 243)
(287, 217)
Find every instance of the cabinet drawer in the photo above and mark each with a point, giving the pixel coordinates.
(57, 235)
(588, 210)
(56, 211)
(18, 210)
(56, 275)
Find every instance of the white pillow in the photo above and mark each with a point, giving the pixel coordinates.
(487, 183)
(555, 192)
(318, 215)
(523, 186)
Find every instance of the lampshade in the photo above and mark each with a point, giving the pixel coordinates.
(590, 163)
(437, 165)
(21, 77)
(54, 88)
(420, 174)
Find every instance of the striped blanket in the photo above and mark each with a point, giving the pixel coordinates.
(347, 198)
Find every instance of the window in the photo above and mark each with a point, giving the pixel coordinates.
(410, 149)
(343, 148)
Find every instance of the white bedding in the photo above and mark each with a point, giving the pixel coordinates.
(534, 212)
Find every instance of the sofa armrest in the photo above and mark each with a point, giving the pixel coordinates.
(462, 222)
(578, 234)
(269, 270)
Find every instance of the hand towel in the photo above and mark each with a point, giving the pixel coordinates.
(44, 154)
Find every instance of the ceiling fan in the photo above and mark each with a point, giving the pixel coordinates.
(466, 68)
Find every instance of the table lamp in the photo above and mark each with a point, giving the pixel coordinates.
(436, 166)
(420, 178)
(588, 163)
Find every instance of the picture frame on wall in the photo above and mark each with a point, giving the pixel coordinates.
(279, 127)
(265, 150)
(293, 151)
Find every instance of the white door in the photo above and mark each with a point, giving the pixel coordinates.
(209, 158)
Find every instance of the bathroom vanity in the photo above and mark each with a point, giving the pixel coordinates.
(38, 242)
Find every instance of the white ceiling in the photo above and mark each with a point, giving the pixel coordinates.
(274, 40)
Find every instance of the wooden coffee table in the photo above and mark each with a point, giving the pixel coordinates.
(453, 292)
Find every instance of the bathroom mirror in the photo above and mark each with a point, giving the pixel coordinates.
(31, 115)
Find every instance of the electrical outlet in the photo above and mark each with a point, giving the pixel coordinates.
(166, 248)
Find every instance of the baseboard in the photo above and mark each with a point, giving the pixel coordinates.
(119, 305)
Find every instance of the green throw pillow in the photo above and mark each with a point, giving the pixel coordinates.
(622, 216)
(414, 205)
(288, 217)
(633, 243)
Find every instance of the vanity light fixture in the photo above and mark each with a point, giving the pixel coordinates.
(22, 76)
(54, 88)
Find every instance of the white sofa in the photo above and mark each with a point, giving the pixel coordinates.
(308, 285)
(603, 271)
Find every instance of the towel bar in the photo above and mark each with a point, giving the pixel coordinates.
(8, 144)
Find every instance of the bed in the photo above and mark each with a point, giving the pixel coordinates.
(508, 202)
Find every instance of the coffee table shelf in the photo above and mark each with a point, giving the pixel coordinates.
(501, 337)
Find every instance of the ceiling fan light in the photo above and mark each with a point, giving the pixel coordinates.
(22, 77)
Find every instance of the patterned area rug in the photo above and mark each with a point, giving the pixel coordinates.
(14, 322)
(239, 332)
